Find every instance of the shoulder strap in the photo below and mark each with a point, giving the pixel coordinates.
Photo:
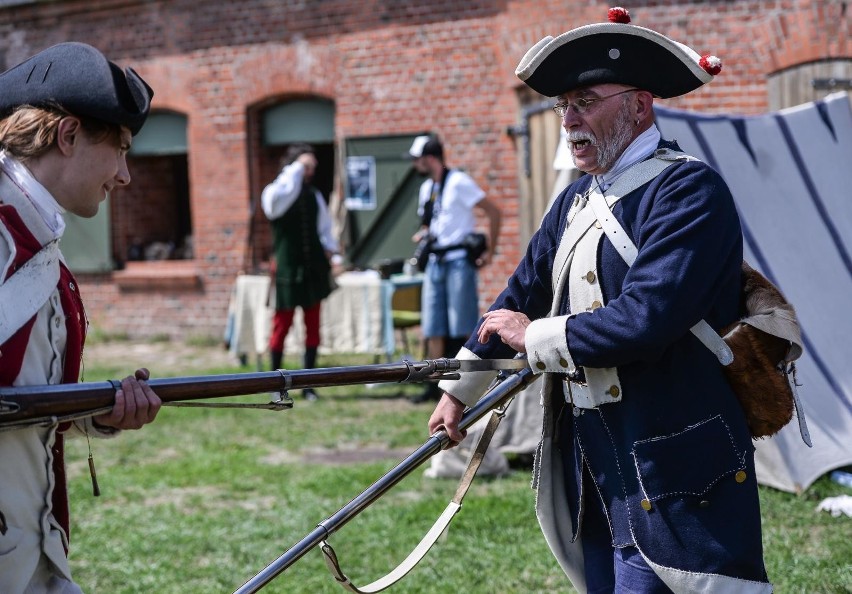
(627, 249)
(429, 207)
(25, 291)
(636, 176)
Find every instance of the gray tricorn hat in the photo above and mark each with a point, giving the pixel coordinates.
(78, 78)
(615, 52)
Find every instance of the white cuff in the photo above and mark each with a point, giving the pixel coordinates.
(472, 384)
(546, 342)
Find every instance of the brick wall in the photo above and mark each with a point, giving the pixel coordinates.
(390, 66)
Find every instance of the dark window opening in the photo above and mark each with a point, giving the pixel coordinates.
(151, 217)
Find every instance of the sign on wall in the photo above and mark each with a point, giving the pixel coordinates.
(361, 183)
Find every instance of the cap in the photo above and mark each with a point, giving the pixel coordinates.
(615, 52)
(426, 145)
(80, 79)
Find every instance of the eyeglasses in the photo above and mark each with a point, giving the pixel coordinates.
(581, 105)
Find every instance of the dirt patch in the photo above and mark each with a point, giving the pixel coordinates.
(160, 357)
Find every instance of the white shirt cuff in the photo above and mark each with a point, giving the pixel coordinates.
(472, 385)
(546, 342)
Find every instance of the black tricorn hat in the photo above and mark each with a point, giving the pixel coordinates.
(615, 52)
(78, 78)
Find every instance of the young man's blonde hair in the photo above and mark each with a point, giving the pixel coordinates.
(30, 132)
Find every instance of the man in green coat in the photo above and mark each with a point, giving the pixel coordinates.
(303, 247)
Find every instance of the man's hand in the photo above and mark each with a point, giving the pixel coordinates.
(310, 163)
(446, 416)
(136, 404)
(510, 326)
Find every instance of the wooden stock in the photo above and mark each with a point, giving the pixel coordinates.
(29, 404)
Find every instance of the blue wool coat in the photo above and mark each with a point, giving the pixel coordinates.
(677, 442)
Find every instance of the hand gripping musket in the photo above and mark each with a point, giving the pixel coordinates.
(495, 399)
(34, 405)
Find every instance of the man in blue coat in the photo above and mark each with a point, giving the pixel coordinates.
(645, 471)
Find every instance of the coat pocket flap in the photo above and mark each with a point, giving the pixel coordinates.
(689, 462)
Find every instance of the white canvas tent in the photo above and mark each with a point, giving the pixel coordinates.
(791, 176)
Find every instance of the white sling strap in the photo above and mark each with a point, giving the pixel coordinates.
(627, 249)
(438, 528)
(29, 287)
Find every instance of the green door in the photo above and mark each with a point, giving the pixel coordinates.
(382, 229)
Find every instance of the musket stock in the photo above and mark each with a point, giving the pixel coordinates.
(508, 386)
(26, 405)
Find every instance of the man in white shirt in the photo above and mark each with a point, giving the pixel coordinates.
(304, 248)
(447, 203)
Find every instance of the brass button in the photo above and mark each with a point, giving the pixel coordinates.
(541, 365)
(703, 503)
(72, 287)
(646, 505)
(563, 362)
(590, 276)
(740, 476)
(613, 391)
(596, 304)
(597, 224)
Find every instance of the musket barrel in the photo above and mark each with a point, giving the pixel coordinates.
(494, 398)
(22, 403)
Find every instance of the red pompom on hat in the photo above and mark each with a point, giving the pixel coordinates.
(710, 64)
(617, 14)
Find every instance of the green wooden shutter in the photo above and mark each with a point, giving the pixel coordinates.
(385, 232)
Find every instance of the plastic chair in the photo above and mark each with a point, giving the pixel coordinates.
(405, 312)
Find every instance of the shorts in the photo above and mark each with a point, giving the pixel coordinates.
(450, 298)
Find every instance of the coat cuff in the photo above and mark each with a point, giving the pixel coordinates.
(546, 342)
(472, 384)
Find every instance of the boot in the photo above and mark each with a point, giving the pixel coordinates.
(310, 361)
(277, 358)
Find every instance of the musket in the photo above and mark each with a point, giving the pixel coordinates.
(505, 388)
(28, 405)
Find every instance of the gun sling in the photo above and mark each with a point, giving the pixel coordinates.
(438, 528)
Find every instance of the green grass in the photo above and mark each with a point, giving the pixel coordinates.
(203, 499)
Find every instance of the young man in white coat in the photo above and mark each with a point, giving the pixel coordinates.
(67, 117)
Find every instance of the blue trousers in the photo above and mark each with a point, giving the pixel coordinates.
(608, 569)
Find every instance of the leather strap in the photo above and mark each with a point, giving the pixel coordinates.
(27, 290)
(800, 412)
(438, 528)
